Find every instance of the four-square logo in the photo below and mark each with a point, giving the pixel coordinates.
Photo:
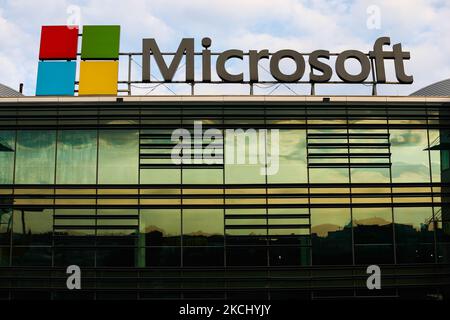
(99, 65)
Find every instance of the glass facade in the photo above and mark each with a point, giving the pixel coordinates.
(357, 184)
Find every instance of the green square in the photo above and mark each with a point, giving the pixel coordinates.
(100, 42)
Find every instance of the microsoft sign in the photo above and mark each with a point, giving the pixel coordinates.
(99, 63)
(320, 71)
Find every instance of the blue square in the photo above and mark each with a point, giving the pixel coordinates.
(56, 78)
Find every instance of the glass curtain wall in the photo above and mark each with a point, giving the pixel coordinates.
(347, 191)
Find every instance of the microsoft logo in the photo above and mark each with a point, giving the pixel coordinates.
(99, 66)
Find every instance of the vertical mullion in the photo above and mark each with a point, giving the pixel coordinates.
(431, 190)
(96, 202)
(52, 249)
(350, 191)
(12, 210)
(394, 242)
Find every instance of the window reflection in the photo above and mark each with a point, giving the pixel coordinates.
(31, 256)
(328, 175)
(203, 227)
(414, 224)
(409, 156)
(246, 226)
(160, 227)
(4, 256)
(373, 175)
(7, 146)
(160, 176)
(118, 156)
(33, 227)
(117, 227)
(246, 172)
(115, 257)
(328, 159)
(77, 157)
(163, 257)
(372, 225)
(83, 257)
(203, 256)
(436, 155)
(74, 227)
(331, 235)
(374, 254)
(414, 235)
(6, 218)
(246, 256)
(292, 157)
(282, 235)
(289, 256)
(443, 231)
(35, 163)
(373, 235)
(203, 176)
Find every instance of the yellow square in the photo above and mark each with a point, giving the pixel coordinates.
(98, 78)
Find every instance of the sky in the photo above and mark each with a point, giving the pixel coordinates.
(421, 27)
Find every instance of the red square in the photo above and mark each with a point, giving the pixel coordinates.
(59, 42)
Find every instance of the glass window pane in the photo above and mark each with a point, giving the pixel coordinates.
(33, 227)
(83, 257)
(244, 173)
(443, 252)
(35, 163)
(247, 236)
(415, 253)
(238, 231)
(74, 227)
(436, 154)
(443, 231)
(292, 166)
(32, 256)
(4, 256)
(160, 227)
(243, 163)
(372, 225)
(160, 176)
(414, 225)
(246, 256)
(202, 176)
(331, 234)
(409, 156)
(293, 230)
(203, 256)
(289, 256)
(328, 155)
(7, 146)
(5, 226)
(203, 227)
(328, 175)
(370, 175)
(77, 157)
(374, 254)
(117, 227)
(116, 257)
(118, 156)
(163, 257)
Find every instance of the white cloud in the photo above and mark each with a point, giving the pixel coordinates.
(15, 64)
